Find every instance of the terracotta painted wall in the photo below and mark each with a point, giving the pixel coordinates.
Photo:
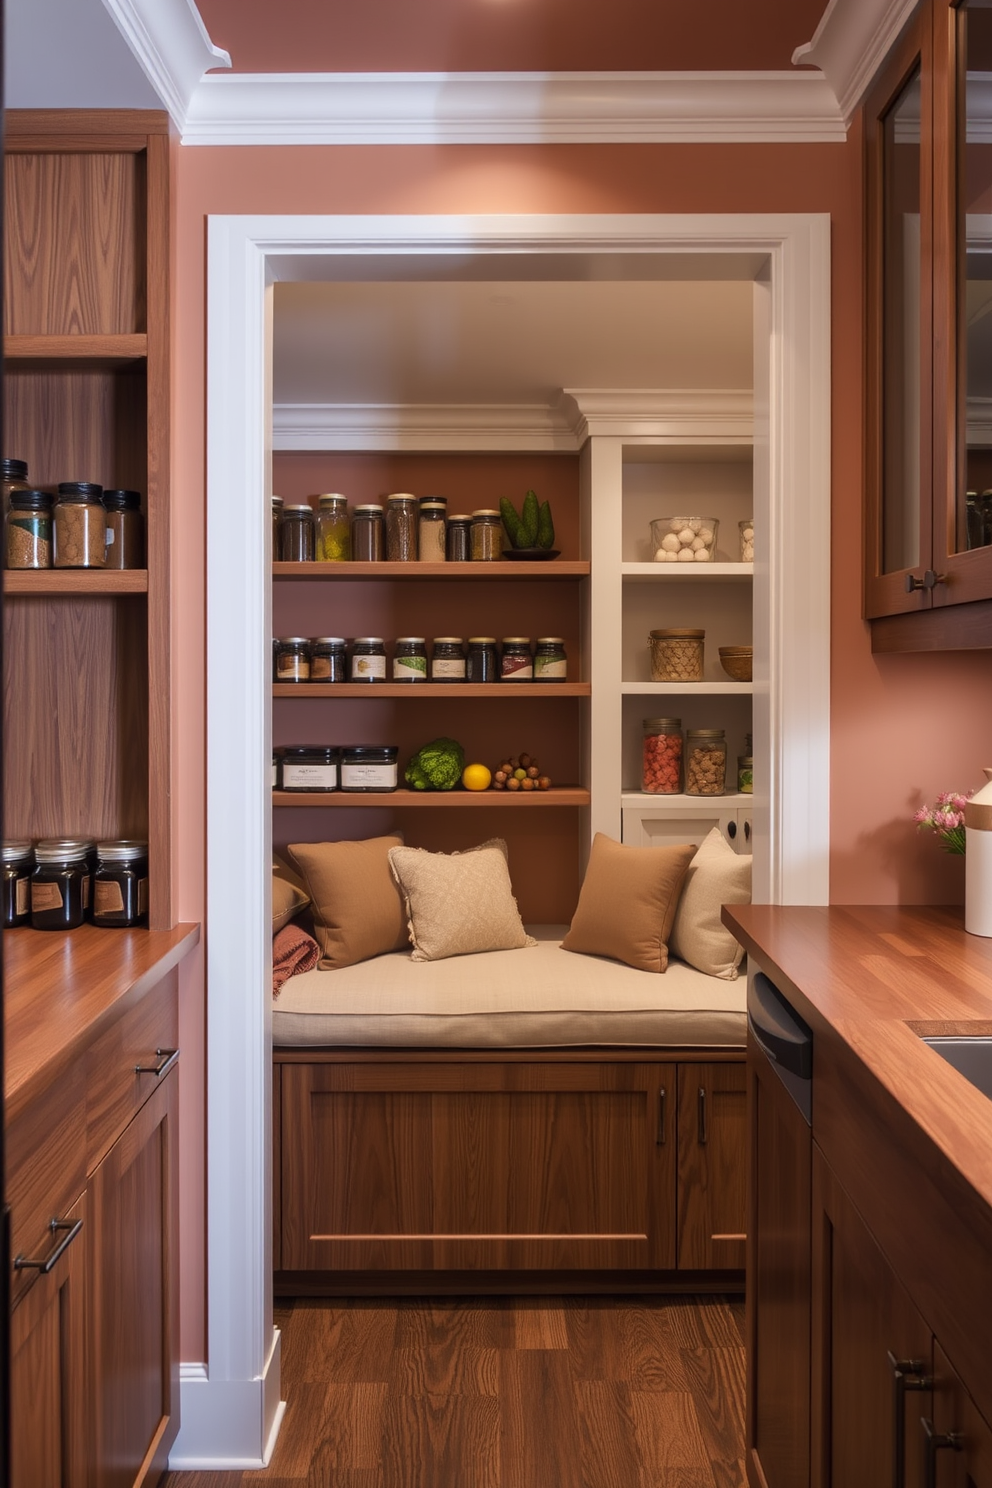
(902, 728)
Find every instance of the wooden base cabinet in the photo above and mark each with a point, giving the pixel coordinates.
(712, 1126)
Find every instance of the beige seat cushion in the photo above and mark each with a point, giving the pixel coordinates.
(716, 876)
(458, 904)
(357, 909)
(627, 902)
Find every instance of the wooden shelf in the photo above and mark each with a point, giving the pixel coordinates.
(555, 568)
(69, 581)
(505, 691)
(679, 572)
(40, 352)
(563, 795)
(684, 689)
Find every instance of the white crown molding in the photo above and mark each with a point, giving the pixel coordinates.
(660, 413)
(850, 44)
(171, 44)
(511, 108)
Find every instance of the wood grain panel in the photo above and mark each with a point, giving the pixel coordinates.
(46, 1169)
(712, 1166)
(955, 1411)
(74, 243)
(79, 424)
(114, 1090)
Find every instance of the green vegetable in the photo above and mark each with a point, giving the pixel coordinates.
(510, 521)
(545, 527)
(436, 766)
(528, 521)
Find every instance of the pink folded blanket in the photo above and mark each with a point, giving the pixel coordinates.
(293, 951)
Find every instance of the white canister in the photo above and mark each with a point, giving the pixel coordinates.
(978, 861)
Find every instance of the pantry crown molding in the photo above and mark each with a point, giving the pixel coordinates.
(171, 45)
(851, 43)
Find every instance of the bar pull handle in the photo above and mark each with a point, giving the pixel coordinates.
(662, 1137)
(936, 1442)
(907, 1374)
(701, 1117)
(45, 1264)
(166, 1059)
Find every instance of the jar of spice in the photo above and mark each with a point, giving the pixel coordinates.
(487, 536)
(333, 529)
(125, 529)
(410, 659)
(80, 526)
(705, 762)
(517, 662)
(402, 517)
(482, 663)
(13, 477)
(447, 659)
(299, 533)
(432, 531)
(293, 659)
(328, 660)
(60, 883)
(661, 767)
(29, 529)
(277, 506)
(368, 659)
(369, 767)
(310, 767)
(120, 884)
(458, 539)
(550, 661)
(745, 769)
(18, 862)
(367, 534)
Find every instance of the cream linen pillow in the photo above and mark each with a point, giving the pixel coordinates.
(289, 896)
(717, 875)
(357, 909)
(627, 903)
(458, 903)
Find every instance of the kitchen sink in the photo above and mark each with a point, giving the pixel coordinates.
(971, 1057)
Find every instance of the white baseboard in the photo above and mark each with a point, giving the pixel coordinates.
(227, 1424)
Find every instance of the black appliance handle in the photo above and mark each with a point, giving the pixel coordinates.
(779, 1030)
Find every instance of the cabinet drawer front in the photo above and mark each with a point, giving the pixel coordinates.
(114, 1088)
(46, 1166)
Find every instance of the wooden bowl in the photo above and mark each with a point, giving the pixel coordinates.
(737, 662)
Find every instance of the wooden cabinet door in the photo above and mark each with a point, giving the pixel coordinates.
(962, 1439)
(866, 1413)
(48, 1382)
(133, 1329)
(712, 1166)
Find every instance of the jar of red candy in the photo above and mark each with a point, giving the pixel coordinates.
(661, 774)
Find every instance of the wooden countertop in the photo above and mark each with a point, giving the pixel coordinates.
(61, 990)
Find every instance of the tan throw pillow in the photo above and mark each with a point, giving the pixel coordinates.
(717, 875)
(459, 903)
(627, 903)
(289, 895)
(357, 909)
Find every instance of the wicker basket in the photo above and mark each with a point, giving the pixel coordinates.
(737, 662)
(676, 655)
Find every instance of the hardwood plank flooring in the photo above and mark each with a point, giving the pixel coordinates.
(563, 1392)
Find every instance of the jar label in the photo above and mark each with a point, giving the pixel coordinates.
(142, 897)
(292, 668)
(275, 773)
(107, 897)
(309, 777)
(550, 668)
(365, 777)
(22, 896)
(368, 668)
(409, 668)
(518, 668)
(45, 896)
(320, 668)
(450, 667)
(86, 890)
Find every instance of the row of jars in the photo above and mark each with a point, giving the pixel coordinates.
(327, 659)
(406, 529)
(83, 526)
(694, 762)
(59, 882)
(331, 767)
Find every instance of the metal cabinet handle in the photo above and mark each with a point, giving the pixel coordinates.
(747, 831)
(661, 1138)
(935, 1442)
(166, 1059)
(732, 830)
(701, 1119)
(930, 580)
(907, 1374)
(45, 1264)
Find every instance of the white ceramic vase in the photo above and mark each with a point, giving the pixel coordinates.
(978, 861)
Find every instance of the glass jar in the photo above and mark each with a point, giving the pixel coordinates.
(13, 477)
(299, 533)
(447, 659)
(368, 659)
(705, 762)
(80, 526)
(60, 883)
(433, 521)
(550, 661)
(293, 659)
(367, 535)
(676, 655)
(661, 761)
(410, 659)
(487, 536)
(328, 659)
(482, 663)
(333, 528)
(276, 767)
(745, 769)
(125, 529)
(517, 662)
(277, 506)
(746, 530)
(29, 529)
(369, 767)
(18, 862)
(310, 767)
(120, 884)
(402, 516)
(458, 539)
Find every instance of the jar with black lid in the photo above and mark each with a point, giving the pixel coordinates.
(120, 884)
(433, 520)
(18, 861)
(410, 659)
(369, 767)
(328, 659)
(310, 767)
(293, 659)
(482, 663)
(333, 528)
(29, 529)
(402, 517)
(80, 526)
(367, 534)
(299, 533)
(550, 661)
(277, 507)
(368, 659)
(447, 659)
(487, 536)
(517, 662)
(60, 883)
(13, 477)
(125, 529)
(458, 539)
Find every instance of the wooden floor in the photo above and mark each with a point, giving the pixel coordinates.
(602, 1392)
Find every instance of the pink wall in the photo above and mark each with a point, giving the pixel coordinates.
(902, 727)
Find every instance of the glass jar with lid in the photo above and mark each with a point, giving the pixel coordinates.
(482, 662)
(661, 757)
(310, 767)
(80, 526)
(369, 767)
(433, 521)
(447, 659)
(277, 507)
(745, 769)
(18, 863)
(550, 661)
(328, 660)
(29, 529)
(487, 536)
(293, 659)
(125, 529)
(368, 659)
(367, 536)
(333, 528)
(705, 762)
(517, 661)
(60, 883)
(13, 477)
(120, 884)
(410, 659)
(299, 533)
(402, 516)
(458, 539)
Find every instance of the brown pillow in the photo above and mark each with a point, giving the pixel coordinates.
(289, 895)
(627, 902)
(357, 908)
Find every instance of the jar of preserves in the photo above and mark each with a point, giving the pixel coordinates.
(517, 661)
(80, 526)
(333, 528)
(368, 659)
(29, 529)
(487, 536)
(18, 863)
(433, 520)
(458, 539)
(367, 540)
(120, 884)
(125, 529)
(410, 659)
(293, 659)
(60, 883)
(705, 762)
(550, 661)
(369, 767)
(745, 769)
(310, 767)
(447, 659)
(299, 533)
(402, 517)
(328, 659)
(277, 506)
(661, 767)
(276, 768)
(482, 662)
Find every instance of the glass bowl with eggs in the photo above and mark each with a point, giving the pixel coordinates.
(684, 539)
